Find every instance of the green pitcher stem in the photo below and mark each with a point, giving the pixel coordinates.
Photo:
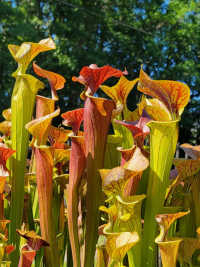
(195, 187)
(112, 155)
(163, 140)
(22, 104)
(187, 227)
(134, 254)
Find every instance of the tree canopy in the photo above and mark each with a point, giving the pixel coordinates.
(164, 36)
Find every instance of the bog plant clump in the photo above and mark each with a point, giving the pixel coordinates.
(88, 194)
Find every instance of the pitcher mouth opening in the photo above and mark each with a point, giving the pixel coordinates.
(163, 122)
